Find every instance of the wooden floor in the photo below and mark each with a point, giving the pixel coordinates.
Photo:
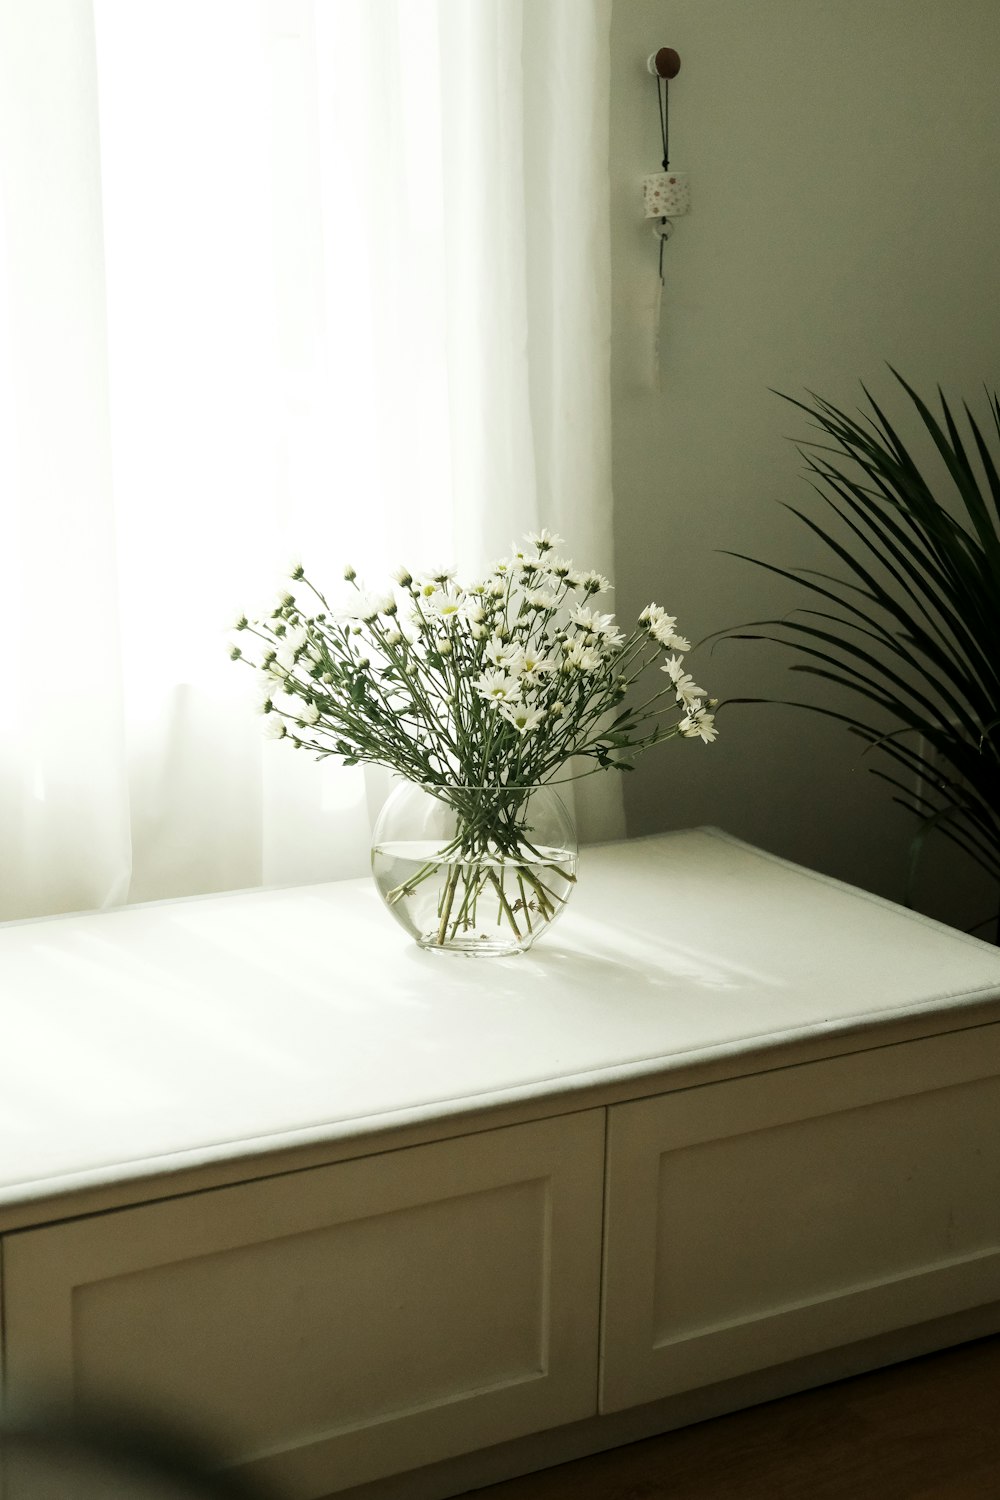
(925, 1430)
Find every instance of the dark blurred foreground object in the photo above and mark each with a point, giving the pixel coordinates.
(49, 1456)
(910, 623)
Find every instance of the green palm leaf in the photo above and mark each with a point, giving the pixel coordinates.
(910, 625)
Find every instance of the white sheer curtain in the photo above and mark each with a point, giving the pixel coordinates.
(327, 277)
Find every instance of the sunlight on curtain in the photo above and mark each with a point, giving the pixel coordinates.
(64, 835)
(280, 277)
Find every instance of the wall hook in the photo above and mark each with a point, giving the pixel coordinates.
(665, 63)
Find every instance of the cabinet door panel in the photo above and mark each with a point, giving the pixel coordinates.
(339, 1324)
(752, 1222)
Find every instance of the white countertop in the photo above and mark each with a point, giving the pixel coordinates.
(163, 1036)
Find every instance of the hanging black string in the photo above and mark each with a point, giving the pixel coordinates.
(663, 100)
(664, 103)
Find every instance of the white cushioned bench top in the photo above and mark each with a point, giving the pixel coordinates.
(160, 1038)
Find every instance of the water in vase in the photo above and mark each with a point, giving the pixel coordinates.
(483, 904)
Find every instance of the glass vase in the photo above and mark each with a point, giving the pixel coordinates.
(474, 869)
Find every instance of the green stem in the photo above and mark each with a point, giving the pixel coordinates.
(505, 904)
(451, 882)
(525, 907)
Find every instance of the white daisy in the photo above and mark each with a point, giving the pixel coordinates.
(498, 687)
(699, 724)
(544, 540)
(688, 691)
(367, 609)
(446, 608)
(595, 583)
(501, 653)
(539, 599)
(524, 719)
(532, 666)
(594, 623)
(663, 630)
(438, 574)
(581, 658)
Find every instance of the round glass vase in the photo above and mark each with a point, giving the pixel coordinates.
(474, 869)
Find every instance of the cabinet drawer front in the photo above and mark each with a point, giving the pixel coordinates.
(340, 1324)
(756, 1221)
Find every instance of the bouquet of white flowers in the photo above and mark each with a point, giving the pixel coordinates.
(478, 693)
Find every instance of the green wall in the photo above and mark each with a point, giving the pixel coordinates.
(845, 213)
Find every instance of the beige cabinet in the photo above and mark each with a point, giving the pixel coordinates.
(344, 1323)
(422, 1225)
(334, 1325)
(766, 1218)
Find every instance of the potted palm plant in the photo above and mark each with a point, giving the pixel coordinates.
(908, 622)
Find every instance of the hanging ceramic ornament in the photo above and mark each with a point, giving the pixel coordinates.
(666, 194)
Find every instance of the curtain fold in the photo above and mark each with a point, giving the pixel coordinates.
(325, 277)
(64, 826)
